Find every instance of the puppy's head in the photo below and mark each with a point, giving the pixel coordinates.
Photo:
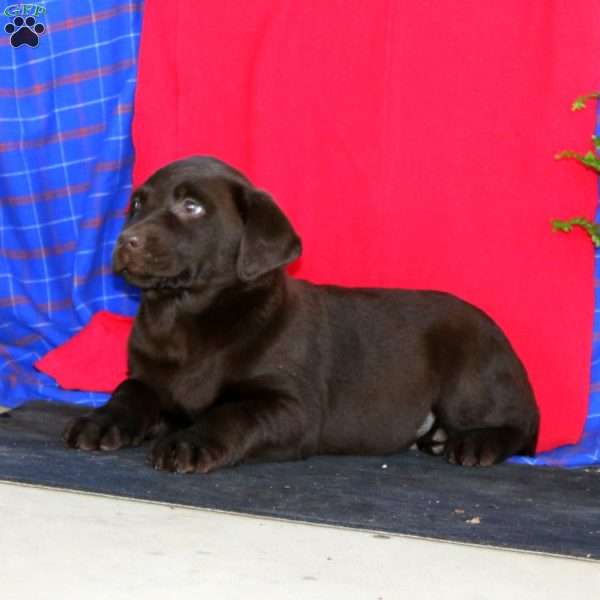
(197, 222)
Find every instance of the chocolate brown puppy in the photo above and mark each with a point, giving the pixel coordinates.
(231, 359)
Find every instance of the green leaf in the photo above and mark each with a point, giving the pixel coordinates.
(580, 103)
(592, 229)
(589, 159)
(558, 225)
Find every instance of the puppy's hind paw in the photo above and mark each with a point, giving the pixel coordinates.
(483, 447)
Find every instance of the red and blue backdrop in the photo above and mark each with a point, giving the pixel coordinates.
(411, 144)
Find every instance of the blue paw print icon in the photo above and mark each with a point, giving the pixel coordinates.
(24, 31)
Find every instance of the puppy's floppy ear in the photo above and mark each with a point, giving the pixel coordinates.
(268, 241)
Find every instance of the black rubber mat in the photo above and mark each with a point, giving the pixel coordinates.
(514, 506)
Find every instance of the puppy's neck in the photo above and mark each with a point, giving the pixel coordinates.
(216, 312)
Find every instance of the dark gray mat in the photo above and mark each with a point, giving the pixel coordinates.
(514, 506)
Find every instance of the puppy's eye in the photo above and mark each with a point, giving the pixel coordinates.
(193, 207)
(136, 205)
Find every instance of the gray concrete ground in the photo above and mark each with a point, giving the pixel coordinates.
(65, 545)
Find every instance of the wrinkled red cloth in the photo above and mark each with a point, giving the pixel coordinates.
(411, 145)
(95, 359)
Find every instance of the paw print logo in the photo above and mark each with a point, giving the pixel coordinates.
(24, 31)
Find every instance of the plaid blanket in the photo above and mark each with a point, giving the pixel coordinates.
(67, 82)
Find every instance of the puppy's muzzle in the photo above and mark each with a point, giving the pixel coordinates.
(132, 241)
(129, 253)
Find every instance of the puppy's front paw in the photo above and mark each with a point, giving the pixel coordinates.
(181, 454)
(100, 432)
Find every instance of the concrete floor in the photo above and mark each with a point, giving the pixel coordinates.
(62, 545)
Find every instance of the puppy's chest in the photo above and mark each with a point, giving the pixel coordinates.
(174, 363)
(168, 348)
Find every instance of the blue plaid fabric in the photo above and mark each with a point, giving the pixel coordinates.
(65, 177)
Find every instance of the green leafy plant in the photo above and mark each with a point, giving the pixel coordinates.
(581, 102)
(592, 229)
(591, 161)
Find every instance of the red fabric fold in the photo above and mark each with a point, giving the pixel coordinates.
(95, 359)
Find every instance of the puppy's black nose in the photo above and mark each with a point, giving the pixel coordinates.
(129, 241)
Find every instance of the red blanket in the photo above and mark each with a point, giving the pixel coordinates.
(411, 144)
